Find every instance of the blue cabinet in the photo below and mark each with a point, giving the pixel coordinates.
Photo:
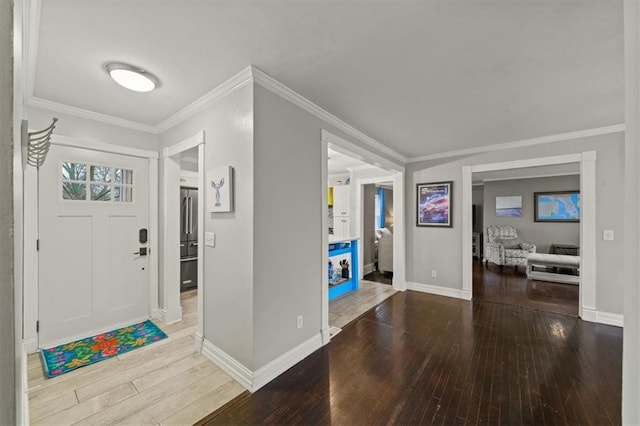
(342, 248)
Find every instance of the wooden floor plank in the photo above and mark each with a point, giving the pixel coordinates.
(135, 370)
(163, 373)
(128, 407)
(425, 359)
(59, 401)
(166, 407)
(84, 409)
(194, 412)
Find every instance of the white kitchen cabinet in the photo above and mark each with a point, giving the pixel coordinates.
(341, 198)
(341, 226)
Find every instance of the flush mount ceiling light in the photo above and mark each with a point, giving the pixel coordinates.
(131, 77)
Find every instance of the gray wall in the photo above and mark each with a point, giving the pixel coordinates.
(7, 319)
(477, 195)
(228, 275)
(477, 199)
(368, 222)
(288, 234)
(441, 248)
(542, 234)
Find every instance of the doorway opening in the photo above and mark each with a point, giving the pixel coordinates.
(504, 211)
(182, 217)
(354, 182)
(586, 262)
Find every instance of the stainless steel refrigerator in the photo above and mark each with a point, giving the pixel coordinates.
(188, 238)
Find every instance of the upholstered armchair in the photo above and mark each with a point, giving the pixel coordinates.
(385, 250)
(503, 247)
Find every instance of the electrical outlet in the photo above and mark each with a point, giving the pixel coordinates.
(209, 239)
(607, 235)
(299, 321)
(434, 274)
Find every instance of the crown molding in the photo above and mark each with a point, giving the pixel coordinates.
(87, 143)
(560, 137)
(538, 176)
(284, 92)
(91, 115)
(233, 84)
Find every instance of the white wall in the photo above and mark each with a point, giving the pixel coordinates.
(441, 248)
(8, 382)
(228, 274)
(542, 234)
(631, 347)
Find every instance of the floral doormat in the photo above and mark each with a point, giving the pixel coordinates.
(64, 358)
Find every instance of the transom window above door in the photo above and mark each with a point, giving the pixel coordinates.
(89, 182)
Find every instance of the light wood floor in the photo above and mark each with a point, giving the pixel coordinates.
(347, 308)
(163, 383)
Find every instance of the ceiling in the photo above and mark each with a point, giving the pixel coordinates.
(339, 164)
(422, 77)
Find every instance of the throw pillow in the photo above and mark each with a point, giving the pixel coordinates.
(509, 243)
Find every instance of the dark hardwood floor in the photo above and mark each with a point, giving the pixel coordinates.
(379, 277)
(511, 286)
(423, 359)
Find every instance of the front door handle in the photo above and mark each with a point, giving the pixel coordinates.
(143, 251)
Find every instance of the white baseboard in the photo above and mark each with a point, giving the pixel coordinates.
(267, 373)
(399, 285)
(30, 345)
(326, 335)
(369, 268)
(254, 380)
(228, 364)
(440, 291)
(25, 386)
(162, 315)
(602, 317)
(199, 341)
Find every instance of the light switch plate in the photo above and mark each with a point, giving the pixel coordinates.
(607, 235)
(209, 239)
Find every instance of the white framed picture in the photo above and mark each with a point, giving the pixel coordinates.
(509, 206)
(219, 189)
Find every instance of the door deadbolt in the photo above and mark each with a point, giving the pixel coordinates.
(142, 252)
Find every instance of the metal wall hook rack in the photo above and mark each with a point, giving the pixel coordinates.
(37, 143)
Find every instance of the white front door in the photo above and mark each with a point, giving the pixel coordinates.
(92, 206)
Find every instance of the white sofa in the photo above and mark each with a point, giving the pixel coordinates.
(385, 250)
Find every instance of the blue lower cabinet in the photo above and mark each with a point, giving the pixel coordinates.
(351, 284)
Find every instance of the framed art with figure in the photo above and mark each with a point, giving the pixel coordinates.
(219, 189)
(434, 204)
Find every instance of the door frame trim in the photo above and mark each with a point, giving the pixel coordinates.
(587, 307)
(171, 288)
(31, 260)
(397, 174)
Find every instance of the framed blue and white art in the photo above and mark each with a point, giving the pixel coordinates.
(509, 206)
